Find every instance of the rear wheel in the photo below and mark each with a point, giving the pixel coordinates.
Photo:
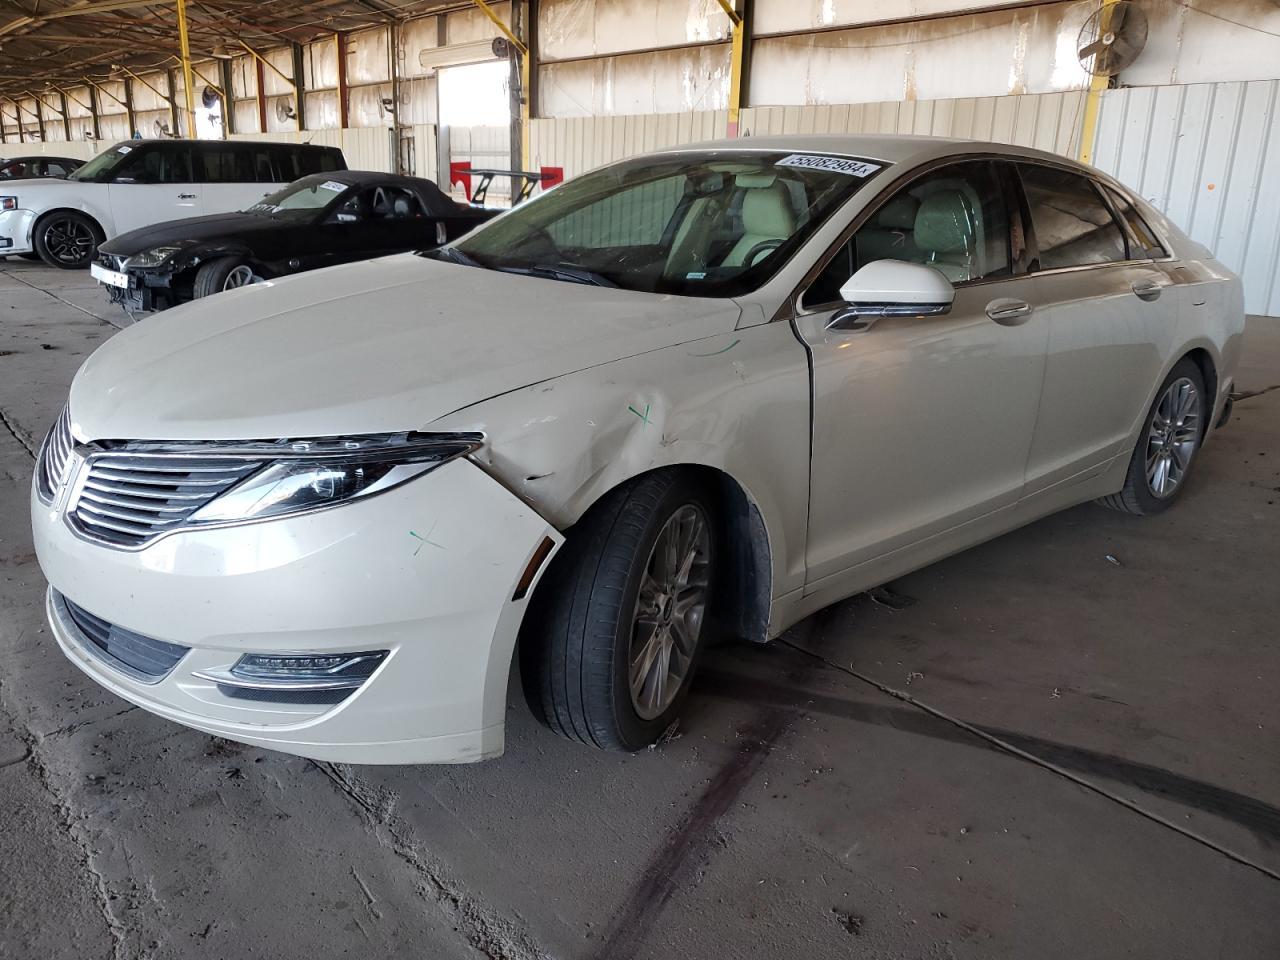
(224, 273)
(67, 240)
(612, 640)
(1168, 444)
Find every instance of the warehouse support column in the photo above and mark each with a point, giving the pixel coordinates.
(184, 48)
(344, 101)
(737, 11)
(520, 13)
(1093, 100)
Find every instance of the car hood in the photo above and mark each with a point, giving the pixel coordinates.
(213, 227)
(380, 346)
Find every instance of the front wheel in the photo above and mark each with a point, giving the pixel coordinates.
(1168, 444)
(224, 273)
(67, 240)
(614, 634)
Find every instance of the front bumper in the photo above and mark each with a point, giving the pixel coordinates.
(426, 571)
(15, 227)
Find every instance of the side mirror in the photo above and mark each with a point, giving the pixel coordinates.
(892, 288)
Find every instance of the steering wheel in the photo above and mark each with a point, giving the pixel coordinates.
(764, 246)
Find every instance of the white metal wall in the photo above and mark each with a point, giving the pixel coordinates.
(1048, 121)
(1208, 155)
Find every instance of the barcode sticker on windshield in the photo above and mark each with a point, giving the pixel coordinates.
(853, 168)
(333, 185)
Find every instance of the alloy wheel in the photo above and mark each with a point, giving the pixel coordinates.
(1173, 436)
(68, 241)
(670, 608)
(240, 276)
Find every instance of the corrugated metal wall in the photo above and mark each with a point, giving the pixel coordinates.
(1048, 121)
(580, 144)
(1208, 155)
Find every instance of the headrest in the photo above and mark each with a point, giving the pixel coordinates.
(767, 212)
(944, 223)
(899, 213)
(754, 181)
(402, 207)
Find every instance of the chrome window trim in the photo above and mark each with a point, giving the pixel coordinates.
(792, 305)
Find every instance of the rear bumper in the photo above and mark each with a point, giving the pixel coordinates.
(426, 571)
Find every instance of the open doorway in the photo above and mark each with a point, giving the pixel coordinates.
(475, 122)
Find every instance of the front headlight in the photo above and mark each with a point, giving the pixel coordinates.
(313, 474)
(153, 257)
(8, 203)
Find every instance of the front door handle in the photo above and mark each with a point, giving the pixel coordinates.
(1148, 289)
(186, 196)
(1009, 312)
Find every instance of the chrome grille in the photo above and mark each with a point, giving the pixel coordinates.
(130, 499)
(143, 658)
(54, 454)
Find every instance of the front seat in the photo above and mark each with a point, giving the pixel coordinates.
(402, 208)
(889, 237)
(946, 235)
(766, 217)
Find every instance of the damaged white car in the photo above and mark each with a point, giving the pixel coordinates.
(706, 391)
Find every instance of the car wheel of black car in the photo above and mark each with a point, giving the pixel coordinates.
(67, 239)
(616, 628)
(224, 273)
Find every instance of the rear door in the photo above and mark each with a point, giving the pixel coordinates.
(1110, 308)
(156, 183)
(230, 173)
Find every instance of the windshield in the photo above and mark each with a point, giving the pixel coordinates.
(706, 224)
(301, 199)
(101, 166)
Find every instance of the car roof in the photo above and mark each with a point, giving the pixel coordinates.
(38, 156)
(890, 148)
(220, 143)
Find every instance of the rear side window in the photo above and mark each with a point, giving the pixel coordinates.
(302, 161)
(1073, 226)
(1148, 246)
(226, 165)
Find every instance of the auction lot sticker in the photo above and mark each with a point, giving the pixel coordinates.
(854, 168)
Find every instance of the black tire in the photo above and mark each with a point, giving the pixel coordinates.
(576, 642)
(212, 277)
(1137, 496)
(67, 240)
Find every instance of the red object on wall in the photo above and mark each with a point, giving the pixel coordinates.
(460, 172)
(551, 176)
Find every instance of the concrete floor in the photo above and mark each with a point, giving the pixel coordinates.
(1047, 755)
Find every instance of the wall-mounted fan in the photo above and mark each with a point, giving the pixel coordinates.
(209, 98)
(1112, 38)
(162, 129)
(284, 109)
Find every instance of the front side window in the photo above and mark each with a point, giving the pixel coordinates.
(710, 224)
(103, 166)
(956, 219)
(156, 163)
(1073, 226)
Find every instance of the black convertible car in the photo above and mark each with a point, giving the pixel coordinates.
(318, 221)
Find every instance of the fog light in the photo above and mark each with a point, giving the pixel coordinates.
(302, 668)
(300, 671)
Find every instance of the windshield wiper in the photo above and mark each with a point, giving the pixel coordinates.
(564, 271)
(452, 254)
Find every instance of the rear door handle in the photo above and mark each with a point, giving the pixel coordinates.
(1009, 312)
(1148, 289)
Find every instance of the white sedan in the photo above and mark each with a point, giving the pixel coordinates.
(702, 392)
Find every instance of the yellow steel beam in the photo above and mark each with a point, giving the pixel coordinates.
(184, 45)
(167, 98)
(735, 64)
(1093, 99)
(71, 96)
(526, 69)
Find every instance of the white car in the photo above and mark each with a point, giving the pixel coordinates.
(704, 391)
(138, 183)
